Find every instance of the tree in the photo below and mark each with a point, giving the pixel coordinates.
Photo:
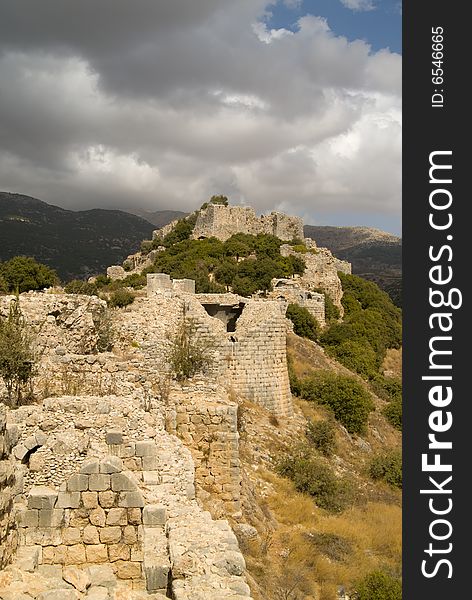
(379, 586)
(219, 199)
(17, 357)
(24, 273)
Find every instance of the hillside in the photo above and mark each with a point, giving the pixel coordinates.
(159, 218)
(374, 254)
(75, 243)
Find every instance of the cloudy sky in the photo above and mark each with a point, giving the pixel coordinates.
(291, 105)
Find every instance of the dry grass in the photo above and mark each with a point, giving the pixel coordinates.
(392, 364)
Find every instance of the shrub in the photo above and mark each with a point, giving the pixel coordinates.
(219, 199)
(346, 397)
(120, 298)
(304, 323)
(313, 476)
(78, 286)
(17, 357)
(387, 467)
(322, 435)
(146, 246)
(356, 356)
(387, 388)
(104, 328)
(393, 413)
(331, 545)
(188, 355)
(379, 586)
(295, 384)
(24, 273)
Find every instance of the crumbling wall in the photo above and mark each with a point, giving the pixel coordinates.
(321, 272)
(8, 536)
(205, 418)
(224, 221)
(288, 291)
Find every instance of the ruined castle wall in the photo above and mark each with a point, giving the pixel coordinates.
(251, 360)
(206, 420)
(224, 221)
(321, 272)
(8, 534)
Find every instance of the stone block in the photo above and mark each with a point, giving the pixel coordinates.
(156, 575)
(96, 553)
(75, 555)
(150, 463)
(41, 438)
(151, 478)
(99, 482)
(71, 536)
(90, 466)
(117, 516)
(59, 594)
(154, 515)
(130, 535)
(118, 552)
(122, 482)
(51, 518)
(97, 517)
(111, 464)
(42, 497)
(102, 575)
(97, 592)
(68, 500)
(28, 518)
(78, 482)
(146, 448)
(79, 578)
(114, 437)
(28, 558)
(110, 535)
(107, 499)
(130, 500)
(48, 554)
(135, 516)
(128, 570)
(90, 499)
(90, 535)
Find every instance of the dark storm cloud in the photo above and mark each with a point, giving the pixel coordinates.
(161, 103)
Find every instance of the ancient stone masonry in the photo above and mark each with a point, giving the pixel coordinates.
(114, 516)
(321, 272)
(289, 291)
(8, 535)
(224, 221)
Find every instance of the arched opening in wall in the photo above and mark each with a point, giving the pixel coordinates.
(228, 315)
(309, 296)
(26, 458)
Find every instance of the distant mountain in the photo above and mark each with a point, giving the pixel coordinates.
(159, 218)
(75, 243)
(374, 254)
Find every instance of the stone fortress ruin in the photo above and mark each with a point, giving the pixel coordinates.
(101, 484)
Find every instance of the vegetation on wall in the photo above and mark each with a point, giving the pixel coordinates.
(304, 323)
(17, 356)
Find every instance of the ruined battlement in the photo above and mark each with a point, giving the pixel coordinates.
(224, 221)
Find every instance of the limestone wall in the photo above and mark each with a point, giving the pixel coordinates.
(288, 291)
(321, 272)
(224, 221)
(8, 536)
(206, 420)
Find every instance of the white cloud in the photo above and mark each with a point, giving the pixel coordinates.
(304, 121)
(359, 5)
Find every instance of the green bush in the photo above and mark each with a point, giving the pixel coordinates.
(121, 298)
(387, 467)
(24, 273)
(188, 355)
(347, 398)
(315, 477)
(17, 357)
(321, 434)
(78, 286)
(372, 323)
(379, 586)
(295, 383)
(219, 199)
(304, 323)
(146, 246)
(356, 356)
(387, 388)
(393, 413)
